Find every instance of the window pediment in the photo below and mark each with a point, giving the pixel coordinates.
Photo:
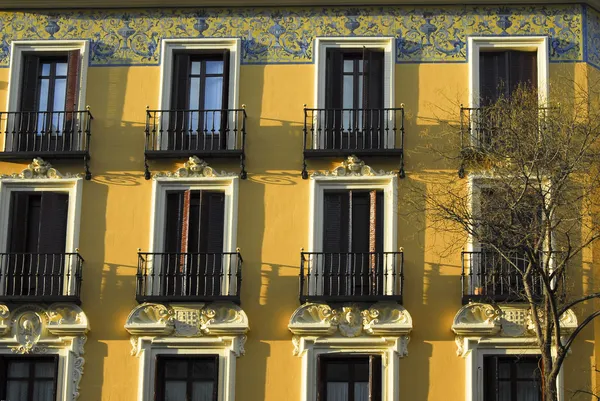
(352, 167)
(39, 169)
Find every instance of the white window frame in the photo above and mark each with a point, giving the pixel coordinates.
(479, 348)
(387, 44)
(476, 45)
(226, 184)
(170, 46)
(390, 364)
(207, 346)
(71, 186)
(17, 50)
(320, 184)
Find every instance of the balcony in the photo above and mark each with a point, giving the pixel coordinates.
(40, 277)
(189, 277)
(179, 134)
(359, 132)
(488, 276)
(57, 135)
(351, 277)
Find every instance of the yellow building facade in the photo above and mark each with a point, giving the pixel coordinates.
(132, 289)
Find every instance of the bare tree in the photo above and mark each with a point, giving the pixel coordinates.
(527, 197)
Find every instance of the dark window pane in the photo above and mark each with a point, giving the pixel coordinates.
(44, 369)
(203, 370)
(175, 391)
(176, 369)
(337, 371)
(202, 391)
(18, 369)
(361, 371)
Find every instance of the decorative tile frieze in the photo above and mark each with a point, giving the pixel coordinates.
(286, 35)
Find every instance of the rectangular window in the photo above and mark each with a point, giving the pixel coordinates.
(349, 378)
(354, 99)
(193, 261)
(501, 72)
(36, 243)
(353, 242)
(28, 379)
(198, 117)
(182, 378)
(511, 378)
(49, 92)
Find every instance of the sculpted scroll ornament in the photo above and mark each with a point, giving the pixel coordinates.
(39, 168)
(194, 167)
(351, 167)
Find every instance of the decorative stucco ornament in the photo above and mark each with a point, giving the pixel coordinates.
(39, 169)
(194, 167)
(352, 167)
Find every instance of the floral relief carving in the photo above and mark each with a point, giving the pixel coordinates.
(194, 167)
(39, 168)
(351, 167)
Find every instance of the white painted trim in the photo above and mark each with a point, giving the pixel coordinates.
(227, 184)
(169, 46)
(18, 47)
(223, 347)
(71, 186)
(476, 44)
(477, 348)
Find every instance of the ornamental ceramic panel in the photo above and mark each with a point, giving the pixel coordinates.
(286, 35)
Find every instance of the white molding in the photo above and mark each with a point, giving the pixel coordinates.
(228, 184)
(353, 42)
(18, 47)
(383, 329)
(194, 329)
(58, 329)
(476, 44)
(52, 181)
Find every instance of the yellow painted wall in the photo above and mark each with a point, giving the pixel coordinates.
(272, 227)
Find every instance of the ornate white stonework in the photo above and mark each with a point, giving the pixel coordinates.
(194, 167)
(39, 169)
(512, 324)
(58, 329)
(176, 322)
(352, 167)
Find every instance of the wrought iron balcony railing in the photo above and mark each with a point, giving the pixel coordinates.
(361, 132)
(189, 277)
(353, 276)
(494, 277)
(40, 277)
(175, 134)
(50, 135)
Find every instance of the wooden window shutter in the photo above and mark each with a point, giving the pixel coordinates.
(522, 69)
(185, 222)
(29, 83)
(334, 64)
(493, 76)
(216, 378)
(361, 223)
(73, 63)
(374, 79)
(335, 222)
(18, 223)
(180, 82)
(320, 378)
(173, 223)
(226, 57)
(374, 378)
(158, 379)
(490, 378)
(212, 222)
(53, 222)
(3, 377)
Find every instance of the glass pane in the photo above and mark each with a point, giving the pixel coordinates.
(18, 369)
(203, 369)
(176, 369)
(361, 391)
(60, 94)
(61, 69)
(526, 369)
(43, 96)
(202, 391)
(504, 391)
(213, 95)
(337, 372)
(214, 67)
(348, 65)
(43, 391)
(44, 369)
(337, 392)
(361, 66)
(16, 390)
(196, 67)
(45, 69)
(527, 391)
(504, 369)
(194, 98)
(360, 92)
(175, 391)
(361, 371)
(348, 92)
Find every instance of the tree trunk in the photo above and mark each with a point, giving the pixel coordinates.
(549, 392)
